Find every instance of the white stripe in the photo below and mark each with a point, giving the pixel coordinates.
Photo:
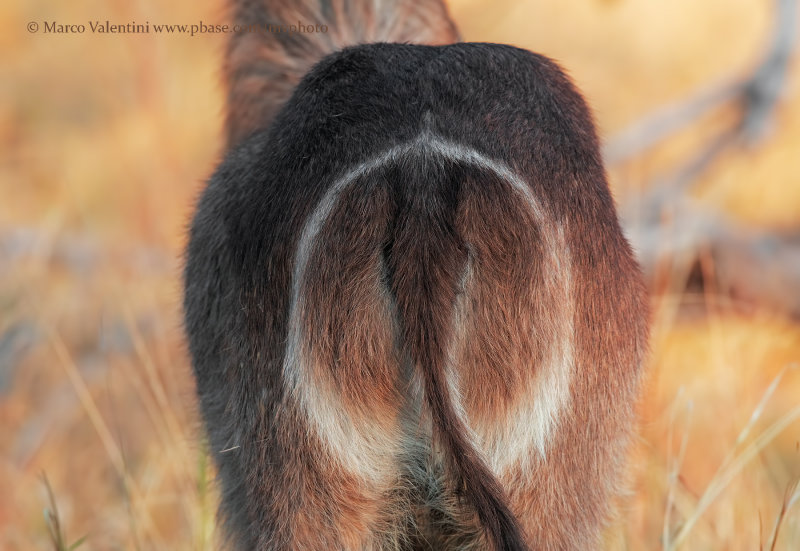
(365, 448)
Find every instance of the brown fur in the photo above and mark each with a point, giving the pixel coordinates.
(263, 69)
(414, 320)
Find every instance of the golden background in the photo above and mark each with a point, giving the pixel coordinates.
(105, 141)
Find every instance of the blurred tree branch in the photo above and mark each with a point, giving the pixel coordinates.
(667, 229)
(758, 94)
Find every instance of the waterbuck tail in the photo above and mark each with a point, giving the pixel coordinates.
(427, 263)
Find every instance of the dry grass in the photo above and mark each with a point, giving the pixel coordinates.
(106, 140)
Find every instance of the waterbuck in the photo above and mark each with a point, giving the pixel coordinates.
(413, 318)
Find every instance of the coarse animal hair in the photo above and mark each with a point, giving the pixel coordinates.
(413, 318)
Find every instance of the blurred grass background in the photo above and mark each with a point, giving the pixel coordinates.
(105, 141)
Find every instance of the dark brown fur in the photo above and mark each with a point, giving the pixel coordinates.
(262, 69)
(413, 317)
